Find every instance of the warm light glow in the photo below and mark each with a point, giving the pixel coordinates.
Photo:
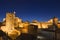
(21, 25)
(51, 20)
(25, 30)
(14, 33)
(11, 22)
(44, 26)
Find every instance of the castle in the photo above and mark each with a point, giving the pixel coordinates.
(11, 22)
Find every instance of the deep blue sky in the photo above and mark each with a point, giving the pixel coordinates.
(41, 10)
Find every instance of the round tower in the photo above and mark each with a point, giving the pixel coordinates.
(55, 20)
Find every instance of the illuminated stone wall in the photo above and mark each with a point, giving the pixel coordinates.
(10, 21)
(17, 21)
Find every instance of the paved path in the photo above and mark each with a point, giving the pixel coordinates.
(47, 35)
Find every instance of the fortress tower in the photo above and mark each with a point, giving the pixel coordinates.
(55, 20)
(10, 21)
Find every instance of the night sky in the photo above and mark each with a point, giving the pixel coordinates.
(41, 10)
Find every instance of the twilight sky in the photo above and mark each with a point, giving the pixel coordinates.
(41, 10)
